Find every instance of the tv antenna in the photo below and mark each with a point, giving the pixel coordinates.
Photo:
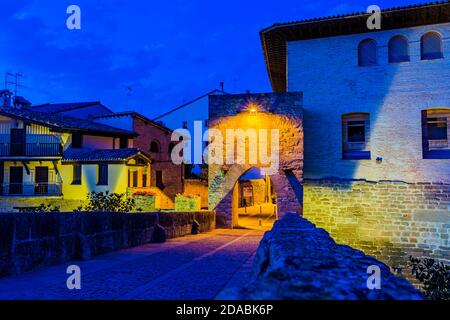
(13, 79)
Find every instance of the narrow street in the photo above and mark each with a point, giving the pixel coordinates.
(192, 267)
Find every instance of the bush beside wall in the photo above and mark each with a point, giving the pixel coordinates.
(30, 240)
(65, 205)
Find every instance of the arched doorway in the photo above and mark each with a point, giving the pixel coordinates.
(271, 123)
(254, 201)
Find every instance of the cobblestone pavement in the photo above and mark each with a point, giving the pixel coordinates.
(192, 267)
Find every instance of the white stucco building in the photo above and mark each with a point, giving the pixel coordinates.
(185, 117)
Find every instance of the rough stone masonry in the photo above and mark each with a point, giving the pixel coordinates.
(296, 260)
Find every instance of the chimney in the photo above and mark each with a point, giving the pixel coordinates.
(222, 85)
(5, 98)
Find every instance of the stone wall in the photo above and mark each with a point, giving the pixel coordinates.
(263, 114)
(195, 187)
(296, 260)
(389, 220)
(164, 201)
(29, 240)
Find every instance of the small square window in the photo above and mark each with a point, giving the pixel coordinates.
(355, 139)
(435, 133)
(77, 141)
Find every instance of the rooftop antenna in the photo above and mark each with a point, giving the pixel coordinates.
(15, 81)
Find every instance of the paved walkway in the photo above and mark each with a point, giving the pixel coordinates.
(192, 267)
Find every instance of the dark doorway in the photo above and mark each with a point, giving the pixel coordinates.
(254, 203)
(18, 139)
(15, 180)
(159, 179)
(41, 180)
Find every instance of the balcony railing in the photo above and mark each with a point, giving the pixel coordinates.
(30, 189)
(30, 149)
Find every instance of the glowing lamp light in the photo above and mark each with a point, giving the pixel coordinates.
(252, 107)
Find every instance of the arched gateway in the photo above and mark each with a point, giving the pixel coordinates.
(258, 130)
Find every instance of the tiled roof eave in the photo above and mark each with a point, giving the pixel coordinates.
(103, 155)
(107, 131)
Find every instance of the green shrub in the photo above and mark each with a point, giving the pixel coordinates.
(46, 208)
(108, 202)
(434, 275)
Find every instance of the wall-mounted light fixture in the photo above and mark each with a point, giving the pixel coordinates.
(252, 107)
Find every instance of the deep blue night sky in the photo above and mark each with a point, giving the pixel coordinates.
(168, 51)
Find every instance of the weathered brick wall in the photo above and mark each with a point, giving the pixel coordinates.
(172, 174)
(29, 240)
(389, 220)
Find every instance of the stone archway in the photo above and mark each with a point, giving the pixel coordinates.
(281, 111)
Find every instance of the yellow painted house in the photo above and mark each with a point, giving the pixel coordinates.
(45, 155)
